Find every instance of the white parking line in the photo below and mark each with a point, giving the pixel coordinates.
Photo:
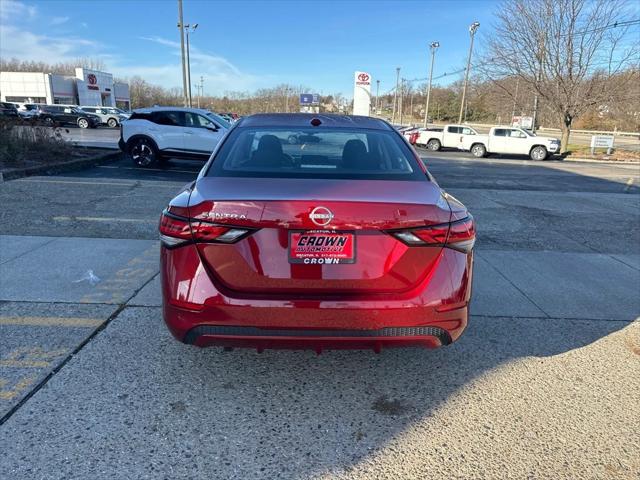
(103, 219)
(119, 184)
(629, 184)
(140, 183)
(151, 169)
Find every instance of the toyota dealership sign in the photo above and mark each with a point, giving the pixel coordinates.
(361, 93)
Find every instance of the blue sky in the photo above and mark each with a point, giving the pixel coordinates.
(245, 45)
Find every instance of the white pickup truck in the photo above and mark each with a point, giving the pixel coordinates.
(511, 140)
(450, 136)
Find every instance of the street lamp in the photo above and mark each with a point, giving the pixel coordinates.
(377, 97)
(189, 28)
(395, 97)
(184, 67)
(434, 46)
(472, 31)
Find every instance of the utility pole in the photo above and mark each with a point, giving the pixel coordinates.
(515, 100)
(189, 28)
(472, 31)
(377, 96)
(395, 96)
(184, 67)
(538, 79)
(201, 90)
(434, 46)
(286, 99)
(400, 105)
(411, 107)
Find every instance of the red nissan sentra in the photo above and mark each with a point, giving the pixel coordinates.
(315, 231)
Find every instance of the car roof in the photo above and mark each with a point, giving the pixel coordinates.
(304, 120)
(173, 109)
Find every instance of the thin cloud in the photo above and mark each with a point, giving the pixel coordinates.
(219, 73)
(59, 20)
(11, 10)
(25, 45)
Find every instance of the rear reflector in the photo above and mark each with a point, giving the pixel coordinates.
(459, 235)
(176, 230)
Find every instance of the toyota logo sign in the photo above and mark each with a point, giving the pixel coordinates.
(321, 216)
(363, 77)
(92, 79)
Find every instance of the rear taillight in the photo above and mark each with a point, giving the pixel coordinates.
(413, 138)
(459, 235)
(176, 230)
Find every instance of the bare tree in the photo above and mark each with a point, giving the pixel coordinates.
(565, 51)
(61, 68)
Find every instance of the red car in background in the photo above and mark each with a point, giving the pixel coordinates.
(343, 242)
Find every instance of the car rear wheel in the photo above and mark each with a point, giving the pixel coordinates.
(538, 153)
(478, 150)
(434, 145)
(49, 121)
(143, 152)
(112, 122)
(83, 123)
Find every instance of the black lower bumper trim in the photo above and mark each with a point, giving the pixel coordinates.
(440, 333)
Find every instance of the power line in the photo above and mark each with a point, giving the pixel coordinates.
(626, 23)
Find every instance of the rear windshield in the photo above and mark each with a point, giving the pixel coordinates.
(316, 153)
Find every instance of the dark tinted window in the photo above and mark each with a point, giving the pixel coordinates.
(140, 116)
(453, 129)
(500, 132)
(309, 152)
(169, 118)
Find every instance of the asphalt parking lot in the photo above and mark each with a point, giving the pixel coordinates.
(544, 384)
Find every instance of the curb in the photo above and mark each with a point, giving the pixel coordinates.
(611, 162)
(14, 173)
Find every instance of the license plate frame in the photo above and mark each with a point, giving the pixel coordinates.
(322, 258)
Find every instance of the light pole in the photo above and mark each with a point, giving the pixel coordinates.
(472, 31)
(286, 99)
(434, 46)
(400, 99)
(189, 28)
(201, 90)
(184, 68)
(377, 96)
(395, 97)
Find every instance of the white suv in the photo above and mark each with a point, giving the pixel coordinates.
(110, 116)
(153, 134)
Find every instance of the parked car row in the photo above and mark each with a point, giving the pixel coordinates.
(499, 140)
(83, 117)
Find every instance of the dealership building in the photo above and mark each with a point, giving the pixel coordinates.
(87, 88)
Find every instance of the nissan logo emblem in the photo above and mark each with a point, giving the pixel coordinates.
(321, 216)
(363, 77)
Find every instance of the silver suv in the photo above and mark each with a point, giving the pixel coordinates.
(110, 116)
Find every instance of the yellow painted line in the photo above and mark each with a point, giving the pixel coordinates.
(103, 219)
(25, 363)
(51, 321)
(8, 394)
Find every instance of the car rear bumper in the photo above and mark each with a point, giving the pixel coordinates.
(198, 313)
(318, 340)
